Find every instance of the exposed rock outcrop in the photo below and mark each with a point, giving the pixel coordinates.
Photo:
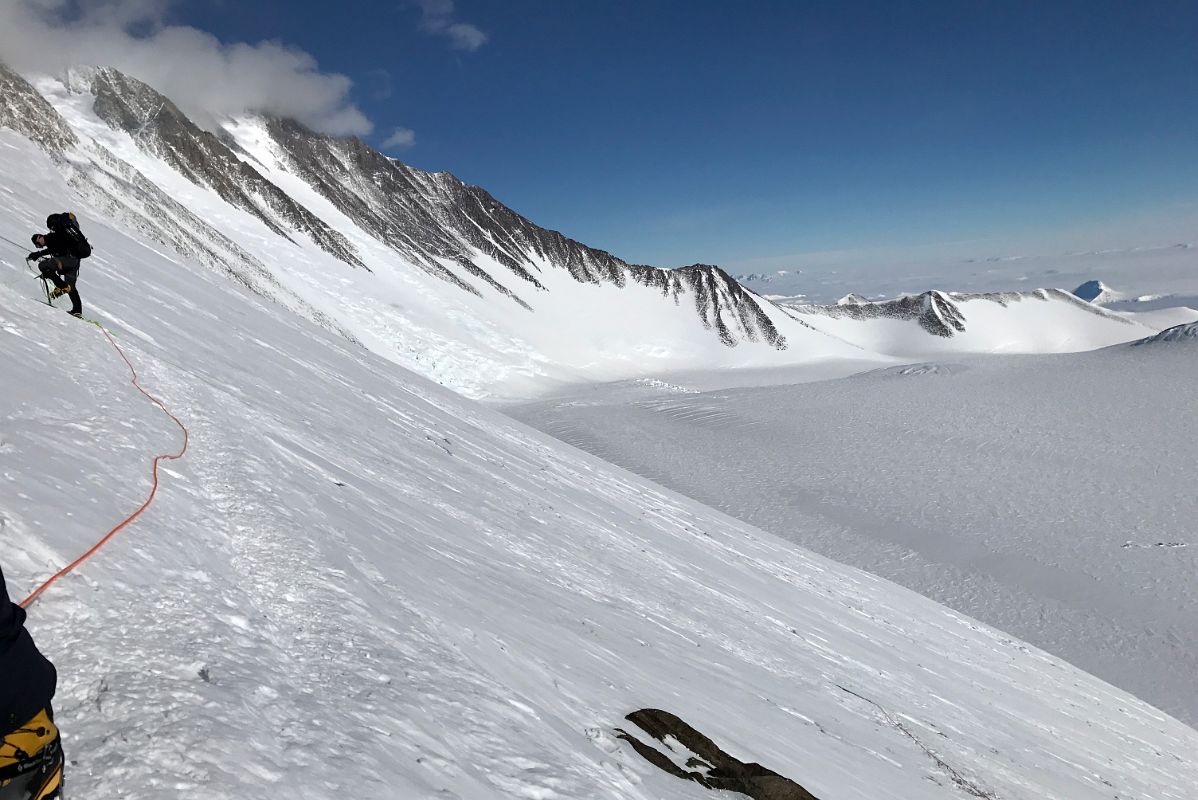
(706, 764)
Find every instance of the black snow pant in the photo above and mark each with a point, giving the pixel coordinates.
(63, 272)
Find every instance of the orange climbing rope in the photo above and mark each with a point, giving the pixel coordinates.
(153, 491)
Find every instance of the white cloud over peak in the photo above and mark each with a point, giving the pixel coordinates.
(438, 20)
(401, 139)
(204, 76)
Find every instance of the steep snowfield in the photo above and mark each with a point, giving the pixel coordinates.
(1050, 496)
(360, 584)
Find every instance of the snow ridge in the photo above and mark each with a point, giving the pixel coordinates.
(430, 217)
(935, 311)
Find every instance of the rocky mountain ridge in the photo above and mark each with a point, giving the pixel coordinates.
(430, 217)
(163, 130)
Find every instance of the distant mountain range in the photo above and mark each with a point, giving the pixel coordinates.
(431, 272)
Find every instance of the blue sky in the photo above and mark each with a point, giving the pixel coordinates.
(677, 131)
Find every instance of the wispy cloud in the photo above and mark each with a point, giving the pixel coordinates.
(203, 75)
(380, 83)
(401, 139)
(438, 19)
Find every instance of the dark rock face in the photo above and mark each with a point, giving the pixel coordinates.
(720, 301)
(710, 766)
(1091, 291)
(431, 218)
(164, 131)
(28, 113)
(408, 210)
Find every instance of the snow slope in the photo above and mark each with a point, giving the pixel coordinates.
(358, 583)
(1050, 496)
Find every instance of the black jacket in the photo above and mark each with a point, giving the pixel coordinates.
(27, 679)
(57, 244)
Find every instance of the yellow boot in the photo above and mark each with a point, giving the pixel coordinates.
(31, 761)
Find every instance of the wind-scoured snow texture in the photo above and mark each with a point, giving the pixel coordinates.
(358, 584)
(1042, 321)
(1050, 496)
